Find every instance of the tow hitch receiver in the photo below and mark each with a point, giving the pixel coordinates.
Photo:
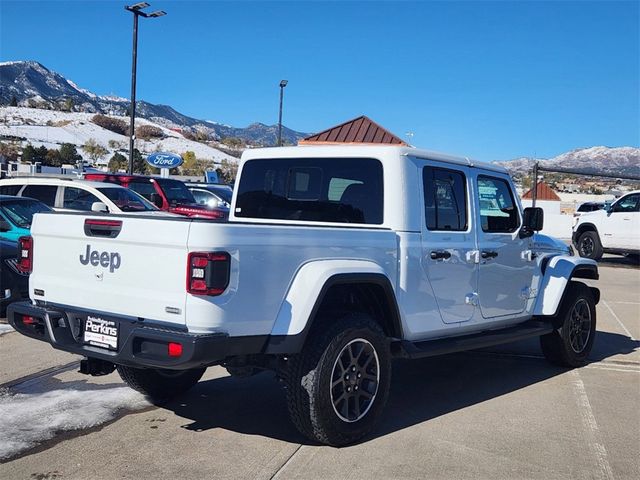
(96, 367)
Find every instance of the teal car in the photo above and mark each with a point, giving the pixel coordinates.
(16, 215)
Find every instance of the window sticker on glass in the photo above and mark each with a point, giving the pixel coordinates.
(498, 211)
(489, 200)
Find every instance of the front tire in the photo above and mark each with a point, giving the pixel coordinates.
(160, 384)
(338, 385)
(589, 245)
(570, 345)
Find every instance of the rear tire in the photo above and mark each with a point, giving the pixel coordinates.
(338, 385)
(589, 245)
(570, 345)
(159, 384)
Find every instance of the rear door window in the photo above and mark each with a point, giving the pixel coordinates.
(45, 193)
(445, 199)
(339, 190)
(78, 199)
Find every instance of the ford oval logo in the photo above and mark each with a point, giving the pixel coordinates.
(164, 160)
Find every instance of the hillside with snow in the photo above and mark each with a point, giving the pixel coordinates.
(620, 160)
(31, 84)
(52, 128)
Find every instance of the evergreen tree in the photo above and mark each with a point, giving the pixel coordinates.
(13, 102)
(53, 158)
(69, 154)
(28, 154)
(118, 162)
(139, 164)
(41, 153)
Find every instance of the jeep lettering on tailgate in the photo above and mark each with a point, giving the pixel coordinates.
(104, 259)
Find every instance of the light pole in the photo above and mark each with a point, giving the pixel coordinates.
(283, 83)
(137, 12)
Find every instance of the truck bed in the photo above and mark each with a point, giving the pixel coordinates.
(143, 272)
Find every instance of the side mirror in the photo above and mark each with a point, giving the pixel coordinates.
(156, 199)
(533, 220)
(99, 207)
(4, 225)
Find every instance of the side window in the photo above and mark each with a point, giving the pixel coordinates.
(143, 188)
(78, 199)
(10, 190)
(498, 210)
(630, 203)
(202, 196)
(445, 199)
(45, 193)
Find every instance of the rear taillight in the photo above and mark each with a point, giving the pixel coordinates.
(25, 254)
(174, 349)
(208, 272)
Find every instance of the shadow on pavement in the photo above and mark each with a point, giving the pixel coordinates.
(420, 390)
(619, 261)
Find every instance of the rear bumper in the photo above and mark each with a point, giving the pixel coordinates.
(139, 344)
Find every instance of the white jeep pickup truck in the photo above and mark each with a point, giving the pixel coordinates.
(335, 260)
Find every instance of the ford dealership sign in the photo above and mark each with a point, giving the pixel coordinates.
(164, 160)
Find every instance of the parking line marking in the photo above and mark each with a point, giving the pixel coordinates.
(42, 373)
(590, 426)
(618, 320)
(614, 369)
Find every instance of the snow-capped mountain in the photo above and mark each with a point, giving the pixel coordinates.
(621, 160)
(34, 85)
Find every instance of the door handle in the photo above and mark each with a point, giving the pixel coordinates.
(488, 254)
(440, 255)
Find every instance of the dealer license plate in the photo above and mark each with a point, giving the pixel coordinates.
(100, 332)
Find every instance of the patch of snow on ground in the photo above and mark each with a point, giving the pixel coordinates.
(5, 328)
(28, 419)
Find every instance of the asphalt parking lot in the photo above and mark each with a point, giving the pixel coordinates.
(490, 414)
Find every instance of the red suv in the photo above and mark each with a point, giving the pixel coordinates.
(165, 193)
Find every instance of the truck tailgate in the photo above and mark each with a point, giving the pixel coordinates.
(140, 272)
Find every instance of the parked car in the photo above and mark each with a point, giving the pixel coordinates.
(214, 195)
(334, 261)
(614, 229)
(73, 194)
(16, 214)
(14, 284)
(165, 193)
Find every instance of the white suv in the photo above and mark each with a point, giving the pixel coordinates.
(69, 194)
(615, 229)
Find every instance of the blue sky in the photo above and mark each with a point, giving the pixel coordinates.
(491, 80)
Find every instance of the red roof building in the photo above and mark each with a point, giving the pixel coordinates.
(359, 130)
(543, 192)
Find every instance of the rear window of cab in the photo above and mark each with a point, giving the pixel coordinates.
(335, 190)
